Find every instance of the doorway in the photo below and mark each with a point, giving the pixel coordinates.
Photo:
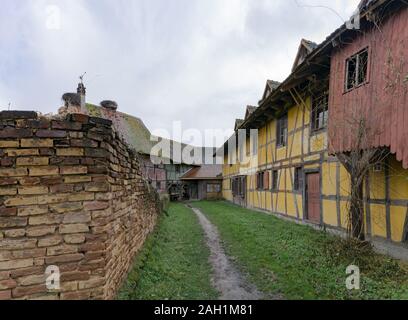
(313, 200)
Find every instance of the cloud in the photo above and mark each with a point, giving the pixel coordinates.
(200, 62)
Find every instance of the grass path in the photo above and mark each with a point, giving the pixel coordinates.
(174, 263)
(281, 257)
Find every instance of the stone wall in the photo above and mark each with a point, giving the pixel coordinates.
(71, 196)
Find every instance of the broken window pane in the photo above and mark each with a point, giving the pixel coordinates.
(351, 73)
(362, 67)
(357, 67)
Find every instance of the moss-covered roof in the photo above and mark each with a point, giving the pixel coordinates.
(138, 137)
(132, 129)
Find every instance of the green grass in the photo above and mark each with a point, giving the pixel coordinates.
(173, 263)
(299, 262)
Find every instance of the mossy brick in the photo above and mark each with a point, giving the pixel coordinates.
(37, 143)
(32, 161)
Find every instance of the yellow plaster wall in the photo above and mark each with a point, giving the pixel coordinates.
(330, 212)
(378, 220)
(398, 217)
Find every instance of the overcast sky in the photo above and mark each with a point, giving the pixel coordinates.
(195, 61)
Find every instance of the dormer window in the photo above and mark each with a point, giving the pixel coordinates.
(356, 70)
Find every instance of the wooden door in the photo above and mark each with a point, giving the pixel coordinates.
(194, 191)
(313, 197)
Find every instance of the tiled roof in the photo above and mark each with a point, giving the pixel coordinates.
(204, 172)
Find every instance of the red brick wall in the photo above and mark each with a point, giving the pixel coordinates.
(71, 195)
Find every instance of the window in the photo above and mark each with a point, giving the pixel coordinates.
(260, 181)
(243, 186)
(356, 70)
(238, 186)
(298, 179)
(213, 188)
(320, 112)
(282, 131)
(275, 179)
(254, 141)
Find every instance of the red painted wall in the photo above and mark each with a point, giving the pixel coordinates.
(383, 101)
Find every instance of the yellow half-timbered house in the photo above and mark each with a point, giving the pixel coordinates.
(289, 169)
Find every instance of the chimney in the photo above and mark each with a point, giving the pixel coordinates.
(82, 94)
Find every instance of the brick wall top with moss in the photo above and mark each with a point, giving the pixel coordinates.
(71, 197)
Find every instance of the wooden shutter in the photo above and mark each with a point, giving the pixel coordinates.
(266, 180)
